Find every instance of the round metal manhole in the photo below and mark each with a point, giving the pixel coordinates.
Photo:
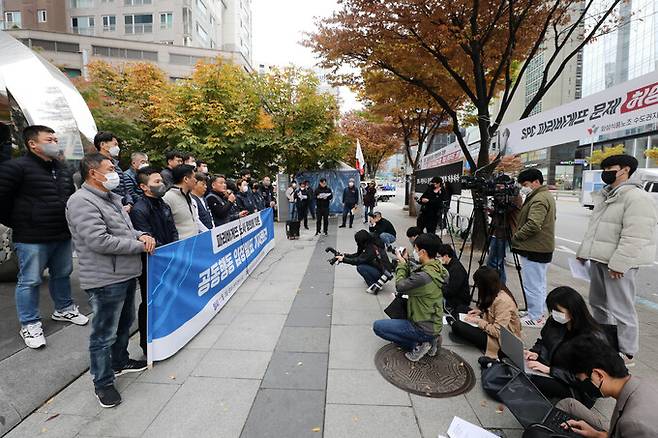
(444, 375)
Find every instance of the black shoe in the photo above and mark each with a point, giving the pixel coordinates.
(350, 225)
(342, 226)
(108, 397)
(326, 234)
(317, 234)
(133, 366)
(306, 228)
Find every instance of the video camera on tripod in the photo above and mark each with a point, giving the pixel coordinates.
(502, 188)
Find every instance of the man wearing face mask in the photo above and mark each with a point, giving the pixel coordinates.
(534, 241)
(138, 160)
(183, 207)
(620, 238)
(174, 159)
(350, 199)
(109, 250)
(323, 196)
(202, 167)
(457, 293)
(107, 144)
(34, 190)
(600, 369)
(190, 161)
(153, 216)
(244, 199)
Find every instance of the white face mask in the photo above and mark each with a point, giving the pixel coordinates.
(112, 181)
(244, 189)
(415, 255)
(143, 165)
(351, 184)
(525, 191)
(193, 164)
(559, 317)
(114, 151)
(50, 150)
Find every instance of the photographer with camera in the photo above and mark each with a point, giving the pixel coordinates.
(370, 260)
(431, 205)
(534, 242)
(507, 203)
(420, 333)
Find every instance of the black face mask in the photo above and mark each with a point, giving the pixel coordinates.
(609, 176)
(591, 390)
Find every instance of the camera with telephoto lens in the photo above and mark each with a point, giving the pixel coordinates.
(332, 261)
(502, 188)
(379, 284)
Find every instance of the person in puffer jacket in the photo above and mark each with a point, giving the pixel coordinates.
(420, 333)
(620, 238)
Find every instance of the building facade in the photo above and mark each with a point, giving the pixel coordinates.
(209, 24)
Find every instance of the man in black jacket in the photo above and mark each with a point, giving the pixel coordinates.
(305, 195)
(370, 258)
(323, 196)
(34, 190)
(174, 159)
(382, 228)
(457, 295)
(222, 204)
(350, 199)
(198, 194)
(431, 205)
(153, 216)
(267, 192)
(108, 145)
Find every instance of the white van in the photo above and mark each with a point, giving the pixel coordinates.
(592, 183)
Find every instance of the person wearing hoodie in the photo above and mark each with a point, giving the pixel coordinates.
(370, 257)
(420, 333)
(620, 238)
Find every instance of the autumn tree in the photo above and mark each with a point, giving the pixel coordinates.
(302, 120)
(377, 135)
(475, 45)
(605, 152)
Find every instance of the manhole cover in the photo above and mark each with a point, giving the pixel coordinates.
(444, 375)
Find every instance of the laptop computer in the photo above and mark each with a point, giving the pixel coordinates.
(512, 347)
(529, 406)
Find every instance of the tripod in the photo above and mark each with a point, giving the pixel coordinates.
(479, 205)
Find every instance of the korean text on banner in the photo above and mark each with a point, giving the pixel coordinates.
(189, 281)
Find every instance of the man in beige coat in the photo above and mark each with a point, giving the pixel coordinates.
(620, 237)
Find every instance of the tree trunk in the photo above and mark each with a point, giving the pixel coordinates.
(412, 192)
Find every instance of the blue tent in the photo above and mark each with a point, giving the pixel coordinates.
(337, 180)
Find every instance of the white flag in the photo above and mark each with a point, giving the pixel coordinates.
(360, 161)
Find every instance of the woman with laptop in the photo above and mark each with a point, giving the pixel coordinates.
(496, 308)
(569, 318)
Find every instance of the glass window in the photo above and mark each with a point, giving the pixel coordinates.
(178, 59)
(82, 3)
(166, 20)
(82, 25)
(136, 2)
(114, 52)
(42, 16)
(12, 19)
(109, 23)
(202, 7)
(201, 32)
(138, 24)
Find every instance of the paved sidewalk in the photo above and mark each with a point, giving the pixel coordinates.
(291, 355)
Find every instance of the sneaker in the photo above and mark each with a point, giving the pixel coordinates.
(373, 289)
(33, 336)
(532, 323)
(71, 315)
(133, 366)
(435, 347)
(419, 352)
(341, 226)
(629, 361)
(108, 397)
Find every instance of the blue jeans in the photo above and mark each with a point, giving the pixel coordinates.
(368, 209)
(33, 258)
(533, 275)
(387, 238)
(496, 258)
(401, 331)
(114, 313)
(369, 273)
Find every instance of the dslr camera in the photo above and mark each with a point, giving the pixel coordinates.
(332, 261)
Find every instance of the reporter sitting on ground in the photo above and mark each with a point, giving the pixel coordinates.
(420, 333)
(496, 308)
(382, 228)
(457, 294)
(370, 257)
(602, 370)
(412, 233)
(569, 318)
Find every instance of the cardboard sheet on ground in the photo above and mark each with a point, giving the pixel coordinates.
(579, 270)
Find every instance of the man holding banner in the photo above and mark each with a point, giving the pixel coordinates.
(109, 251)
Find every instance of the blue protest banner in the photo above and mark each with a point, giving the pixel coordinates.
(190, 280)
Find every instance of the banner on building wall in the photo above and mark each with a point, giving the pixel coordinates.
(190, 280)
(632, 104)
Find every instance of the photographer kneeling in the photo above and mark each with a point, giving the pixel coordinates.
(420, 333)
(370, 260)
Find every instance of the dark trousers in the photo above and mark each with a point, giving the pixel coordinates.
(141, 310)
(347, 210)
(472, 335)
(322, 216)
(428, 221)
(303, 213)
(369, 273)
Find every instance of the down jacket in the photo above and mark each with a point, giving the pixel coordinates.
(621, 231)
(33, 195)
